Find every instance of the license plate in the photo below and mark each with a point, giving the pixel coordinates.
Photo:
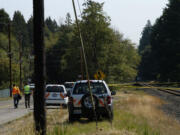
(54, 95)
(77, 111)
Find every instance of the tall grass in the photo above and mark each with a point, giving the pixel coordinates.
(135, 113)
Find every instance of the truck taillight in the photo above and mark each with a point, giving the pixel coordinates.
(47, 95)
(108, 99)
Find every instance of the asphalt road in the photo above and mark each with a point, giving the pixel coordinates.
(8, 113)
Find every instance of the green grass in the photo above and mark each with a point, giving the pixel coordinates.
(123, 121)
(130, 122)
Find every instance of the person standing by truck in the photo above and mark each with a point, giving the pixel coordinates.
(27, 94)
(16, 95)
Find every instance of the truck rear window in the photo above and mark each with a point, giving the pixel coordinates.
(54, 89)
(82, 88)
(68, 85)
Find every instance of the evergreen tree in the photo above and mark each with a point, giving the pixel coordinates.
(166, 44)
(146, 36)
(144, 49)
(4, 21)
(160, 58)
(51, 24)
(20, 29)
(68, 20)
(30, 29)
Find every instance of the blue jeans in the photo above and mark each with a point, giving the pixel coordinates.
(16, 100)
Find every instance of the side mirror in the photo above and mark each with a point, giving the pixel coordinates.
(113, 92)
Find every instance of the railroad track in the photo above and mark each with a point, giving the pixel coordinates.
(173, 92)
(170, 91)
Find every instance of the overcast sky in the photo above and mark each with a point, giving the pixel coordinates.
(128, 16)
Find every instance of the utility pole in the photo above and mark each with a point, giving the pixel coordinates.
(82, 71)
(20, 61)
(10, 57)
(39, 67)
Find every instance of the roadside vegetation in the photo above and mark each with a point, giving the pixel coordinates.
(135, 113)
(106, 48)
(159, 46)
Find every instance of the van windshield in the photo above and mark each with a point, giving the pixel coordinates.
(54, 89)
(97, 88)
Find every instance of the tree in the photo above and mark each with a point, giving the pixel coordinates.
(146, 36)
(160, 58)
(165, 42)
(68, 20)
(4, 21)
(30, 29)
(51, 24)
(96, 33)
(4, 60)
(144, 49)
(20, 28)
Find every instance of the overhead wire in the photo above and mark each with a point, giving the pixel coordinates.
(79, 8)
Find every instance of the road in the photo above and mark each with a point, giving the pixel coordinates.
(8, 113)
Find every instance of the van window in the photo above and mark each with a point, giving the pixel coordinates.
(54, 89)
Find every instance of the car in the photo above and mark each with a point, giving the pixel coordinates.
(80, 101)
(56, 94)
(69, 86)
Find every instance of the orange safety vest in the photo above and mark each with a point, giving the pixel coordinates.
(15, 90)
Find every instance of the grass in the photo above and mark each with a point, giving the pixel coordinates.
(135, 113)
(7, 98)
(125, 123)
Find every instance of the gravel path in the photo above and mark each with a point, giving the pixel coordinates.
(8, 113)
(172, 102)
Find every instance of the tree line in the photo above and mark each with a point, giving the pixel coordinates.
(159, 46)
(106, 48)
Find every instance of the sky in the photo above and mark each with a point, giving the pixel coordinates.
(127, 16)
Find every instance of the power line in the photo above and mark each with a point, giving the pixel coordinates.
(79, 8)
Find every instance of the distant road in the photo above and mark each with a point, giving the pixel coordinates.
(8, 113)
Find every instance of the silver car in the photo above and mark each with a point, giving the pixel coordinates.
(80, 101)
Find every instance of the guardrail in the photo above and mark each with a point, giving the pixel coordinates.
(4, 93)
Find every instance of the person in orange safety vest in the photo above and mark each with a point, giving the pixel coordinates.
(16, 95)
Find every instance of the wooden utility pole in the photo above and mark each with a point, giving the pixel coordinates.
(10, 57)
(39, 67)
(20, 61)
